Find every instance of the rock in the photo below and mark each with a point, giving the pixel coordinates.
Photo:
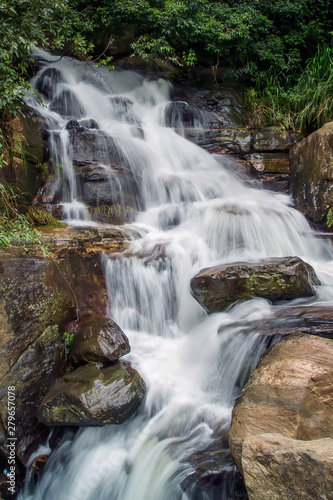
(214, 471)
(271, 169)
(181, 114)
(311, 173)
(225, 102)
(237, 140)
(89, 146)
(39, 295)
(35, 296)
(271, 139)
(229, 104)
(90, 396)
(284, 278)
(108, 185)
(23, 169)
(103, 172)
(48, 81)
(277, 467)
(73, 125)
(290, 393)
(89, 123)
(122, 109)
(66, 104)
(32, 375)
(276, 163)
(100, 340)
(112, 214)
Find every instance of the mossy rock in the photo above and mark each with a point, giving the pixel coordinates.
(276, 279)
(90, 396)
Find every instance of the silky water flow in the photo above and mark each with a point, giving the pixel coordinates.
(192, 212)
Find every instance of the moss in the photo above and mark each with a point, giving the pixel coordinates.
(40, 217)
(112, 214)
(264, 283)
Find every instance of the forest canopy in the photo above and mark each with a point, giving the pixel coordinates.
(256, 38)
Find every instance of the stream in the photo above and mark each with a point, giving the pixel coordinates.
(192, 211)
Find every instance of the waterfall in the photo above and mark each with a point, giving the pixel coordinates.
(192, 212)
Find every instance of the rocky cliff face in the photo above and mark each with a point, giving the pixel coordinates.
(41, 297)
(311, 171)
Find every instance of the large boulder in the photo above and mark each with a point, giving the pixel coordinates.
(278, 467)
(311, 173)
(99, 339)
(104, 176)
(284, 278)
(290, 393)
(90, 396)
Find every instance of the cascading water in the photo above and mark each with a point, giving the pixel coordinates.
(193, 212)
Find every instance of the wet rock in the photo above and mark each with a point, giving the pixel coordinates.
(290, 393)
(99, 339)
(92, 146)
(181, 114)
(89, 123)
(214, 471)
(90, 396)
(47, 82)
(311, 173)
(35, 296)
(276, 163)
(277, 467)
(122, 109)
(284, 278)
(32, 375)
(226, 103)
(287, 320)
(272, 140)
(108, 185)
(270, 169)
(66, 104)
(237, 140)
(73, 124)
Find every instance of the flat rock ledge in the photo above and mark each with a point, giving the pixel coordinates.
(286, 278)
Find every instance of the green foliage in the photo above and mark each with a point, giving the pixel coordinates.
(305, 104)
(312, 97)
(28, 23)
(67, 339)
(39, 217)
(15, 228)
(251, 36)
(329, 217)
(270, 102)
